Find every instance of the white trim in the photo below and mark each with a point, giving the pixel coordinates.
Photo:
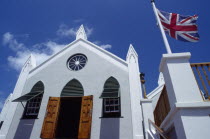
(145, 101)
(156, 91)
(179, 106)
(193, 105)
(165, 57)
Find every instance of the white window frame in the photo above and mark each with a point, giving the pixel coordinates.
(33, 106)
(109, 105)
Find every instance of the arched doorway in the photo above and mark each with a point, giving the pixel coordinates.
(70, 108)
(70, 115)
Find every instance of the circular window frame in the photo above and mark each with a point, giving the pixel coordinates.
(78, 54)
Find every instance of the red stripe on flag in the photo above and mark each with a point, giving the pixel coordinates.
(196, 39)
(189, 18)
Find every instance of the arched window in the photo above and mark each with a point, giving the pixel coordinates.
(73, 88)
(34, 101)
(111, 98)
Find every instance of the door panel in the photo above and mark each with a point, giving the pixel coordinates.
(85, 117)
(51, 116)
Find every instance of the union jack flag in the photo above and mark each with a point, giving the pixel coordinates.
(180, 27)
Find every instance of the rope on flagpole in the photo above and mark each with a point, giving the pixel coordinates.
(168, 49)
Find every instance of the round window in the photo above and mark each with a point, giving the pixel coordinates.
(77, 62)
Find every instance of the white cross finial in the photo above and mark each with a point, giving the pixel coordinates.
(81, 33)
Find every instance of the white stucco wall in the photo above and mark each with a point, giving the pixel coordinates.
(5, 108)
(179, 79)
(196, 123)
(55, 75)
(4, 115)
(190, 122)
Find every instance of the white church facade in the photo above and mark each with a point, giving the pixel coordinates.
(86, 92)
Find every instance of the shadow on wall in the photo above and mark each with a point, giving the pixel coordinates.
(24, 129)
(110, 128)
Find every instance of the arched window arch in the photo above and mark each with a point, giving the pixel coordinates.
(73, 88)
(111, 98)
(33, 103)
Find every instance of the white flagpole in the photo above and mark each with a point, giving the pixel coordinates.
(161, 28)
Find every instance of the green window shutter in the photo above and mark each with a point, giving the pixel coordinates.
(111, 89)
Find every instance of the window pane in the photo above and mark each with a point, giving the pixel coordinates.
(116, 101)
(34, 104)
(29, 105)
(112, 101)
(33, 110)
(111, 108)
(37, 110)
(28, 111)
(107, 109)
(107, 101)
(116, 108)
(37, 104)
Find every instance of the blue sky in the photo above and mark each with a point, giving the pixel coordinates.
(43, 27)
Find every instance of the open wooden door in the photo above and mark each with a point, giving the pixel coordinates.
(51, 116)
(85, 117)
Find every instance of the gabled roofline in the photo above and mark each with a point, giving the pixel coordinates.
(85, 41)
(156, 91)
(107, 52)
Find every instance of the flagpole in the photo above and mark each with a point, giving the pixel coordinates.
(168, 49)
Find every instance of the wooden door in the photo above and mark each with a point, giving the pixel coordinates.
(50, 120)
(85, 117)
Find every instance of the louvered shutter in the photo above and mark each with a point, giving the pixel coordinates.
(85, 117)
(51, 116)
